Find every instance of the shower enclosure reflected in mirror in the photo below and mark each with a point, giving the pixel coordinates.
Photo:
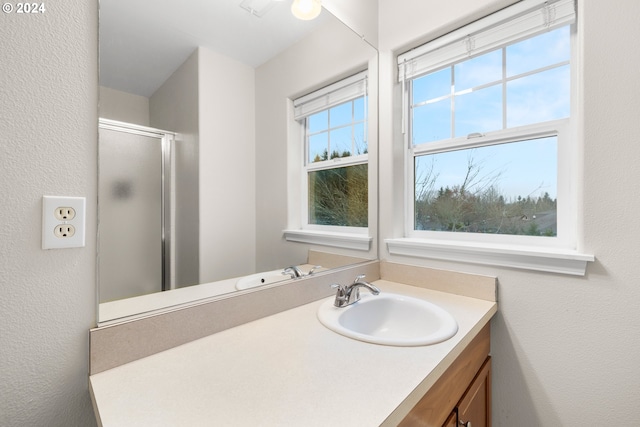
(195, 145)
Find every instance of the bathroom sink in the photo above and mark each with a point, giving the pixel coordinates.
(390, 319)
(260, 279)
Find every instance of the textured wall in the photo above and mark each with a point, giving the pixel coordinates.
(565, 349)
(48, 134)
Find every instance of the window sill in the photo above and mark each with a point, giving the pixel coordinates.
(561, 261)
(360, 242)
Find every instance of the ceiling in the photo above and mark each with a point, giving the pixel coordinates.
(142, 42)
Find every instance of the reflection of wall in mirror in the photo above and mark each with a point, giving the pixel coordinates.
(119, 309)
(221, 108)
(357, 15)
(209, 103)
(323, 57)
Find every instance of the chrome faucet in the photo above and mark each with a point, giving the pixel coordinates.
(347, 295)
(293, 271)
(313, 269)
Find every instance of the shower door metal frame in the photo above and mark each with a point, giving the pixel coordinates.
(167, 140)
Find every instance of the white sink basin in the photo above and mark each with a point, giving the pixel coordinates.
(390, 319)
(260, 279)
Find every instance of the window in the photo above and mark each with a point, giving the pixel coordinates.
(335, 169)
(491, 149)
(476, 180)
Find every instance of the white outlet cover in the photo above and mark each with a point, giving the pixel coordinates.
(50, 222)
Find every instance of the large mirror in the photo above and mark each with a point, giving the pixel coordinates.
(195, 147)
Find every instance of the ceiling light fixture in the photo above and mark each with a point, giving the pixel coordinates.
(306, 9)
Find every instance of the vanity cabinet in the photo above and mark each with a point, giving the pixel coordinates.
(474, 410)
(462, 394)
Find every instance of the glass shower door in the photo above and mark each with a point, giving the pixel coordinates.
(131, 213)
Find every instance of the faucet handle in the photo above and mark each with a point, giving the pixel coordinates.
(341, 295)
(359, 278)
(339, 287)
(291, 271)
(313, 269)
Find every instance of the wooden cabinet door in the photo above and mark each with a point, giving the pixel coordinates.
(475, 406)
(435, 407)
(452, 421)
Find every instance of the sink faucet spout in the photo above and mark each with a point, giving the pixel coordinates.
(293, 271)
(347, 295)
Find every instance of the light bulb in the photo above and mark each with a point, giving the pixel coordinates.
(306, 9)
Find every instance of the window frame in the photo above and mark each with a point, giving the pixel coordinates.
(300, 230)
(558, 254)
(567, 200)
(338, 162)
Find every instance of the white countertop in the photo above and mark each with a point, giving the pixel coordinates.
(283, 370)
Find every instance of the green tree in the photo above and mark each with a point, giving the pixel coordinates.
(339, 196)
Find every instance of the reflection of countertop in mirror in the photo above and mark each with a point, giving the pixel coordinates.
(285, 369)
(146, 304)
(152, 303)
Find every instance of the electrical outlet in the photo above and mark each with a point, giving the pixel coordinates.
(64, 231)
(63, 222)
(65, 213)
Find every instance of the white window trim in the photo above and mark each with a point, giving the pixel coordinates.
(563, 261)
(338, 162)
(522, 252)
(355, 238)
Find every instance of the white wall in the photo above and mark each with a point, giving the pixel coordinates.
(227, 167)
(325, 56)
(123, 106)
(174, 107)
(48, 145)
(565, 348)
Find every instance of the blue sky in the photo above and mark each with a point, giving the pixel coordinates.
(337, 129)
(484, 94)
(527, 168)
